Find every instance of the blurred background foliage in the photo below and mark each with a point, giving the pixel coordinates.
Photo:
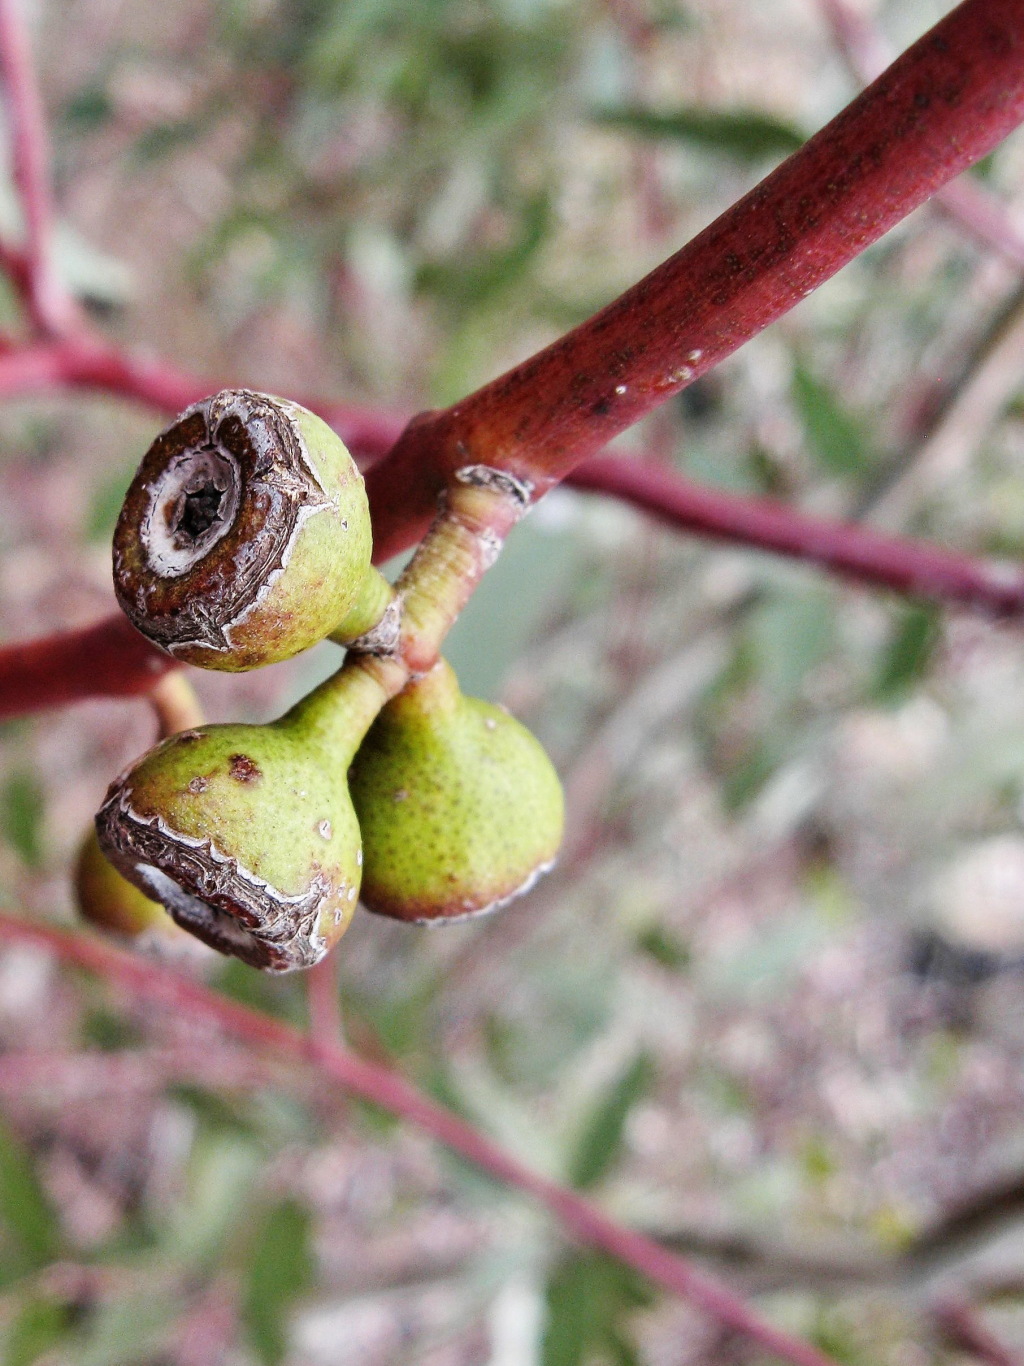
(769, 1006)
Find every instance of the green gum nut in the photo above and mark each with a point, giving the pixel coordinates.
(460, 807)
(245, 535)
(247, 833)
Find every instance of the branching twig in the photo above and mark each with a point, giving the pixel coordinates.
(87, 362)
(385, 1088)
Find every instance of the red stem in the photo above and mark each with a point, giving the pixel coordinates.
(87, 362)
(384, 1087)
(940, 107)
(51, 307)
(856, 553)
(966, 202)
(111, 659)
(108, 659)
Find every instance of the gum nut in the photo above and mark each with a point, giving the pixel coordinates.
(245, 535)
(247, 838)
(460, 807)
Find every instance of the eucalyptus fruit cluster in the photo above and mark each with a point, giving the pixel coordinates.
(244, 539)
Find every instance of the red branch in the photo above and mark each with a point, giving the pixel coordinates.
(87, 362)
(382, 1086)
(109, 659)
(967, 202)
(940, 107)
(112, 659)
(856, 553)
(50, 306)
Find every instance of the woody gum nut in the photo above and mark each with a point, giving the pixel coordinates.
(246, 836)
(460, 807)
(245, 535)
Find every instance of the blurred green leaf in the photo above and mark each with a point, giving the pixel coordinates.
(128, 1331)
(24, 1209)
(109, 1032)
(744, 134)
(834, 437)
(280, 1269)
(40, 1325)
(665, 948)
(21, 812)
(588, 1300)
(791, 631)
(89, 108)
(222, 1173)
(472, 282)
(748, 772)
(164, 138)
(906, 658)
(601, 1141)
(105, 505)
(280, 996)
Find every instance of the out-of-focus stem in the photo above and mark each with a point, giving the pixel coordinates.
(386, 1088)
(176, 705)
(52, 309)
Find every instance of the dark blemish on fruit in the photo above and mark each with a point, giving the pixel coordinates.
(244, 770)
(198, 785)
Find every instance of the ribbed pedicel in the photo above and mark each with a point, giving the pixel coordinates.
(245, 535)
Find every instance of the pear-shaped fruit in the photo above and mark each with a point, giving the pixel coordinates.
(245, 535)
(459, 805)
(247, 833)
(109, 901)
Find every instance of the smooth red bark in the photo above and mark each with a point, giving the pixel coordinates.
(940, 107)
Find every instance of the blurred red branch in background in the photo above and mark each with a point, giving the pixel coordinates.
(958, 1322)
(851, 551)
(149, 982)
(50, 306)
(84, 361)
(107, 659)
